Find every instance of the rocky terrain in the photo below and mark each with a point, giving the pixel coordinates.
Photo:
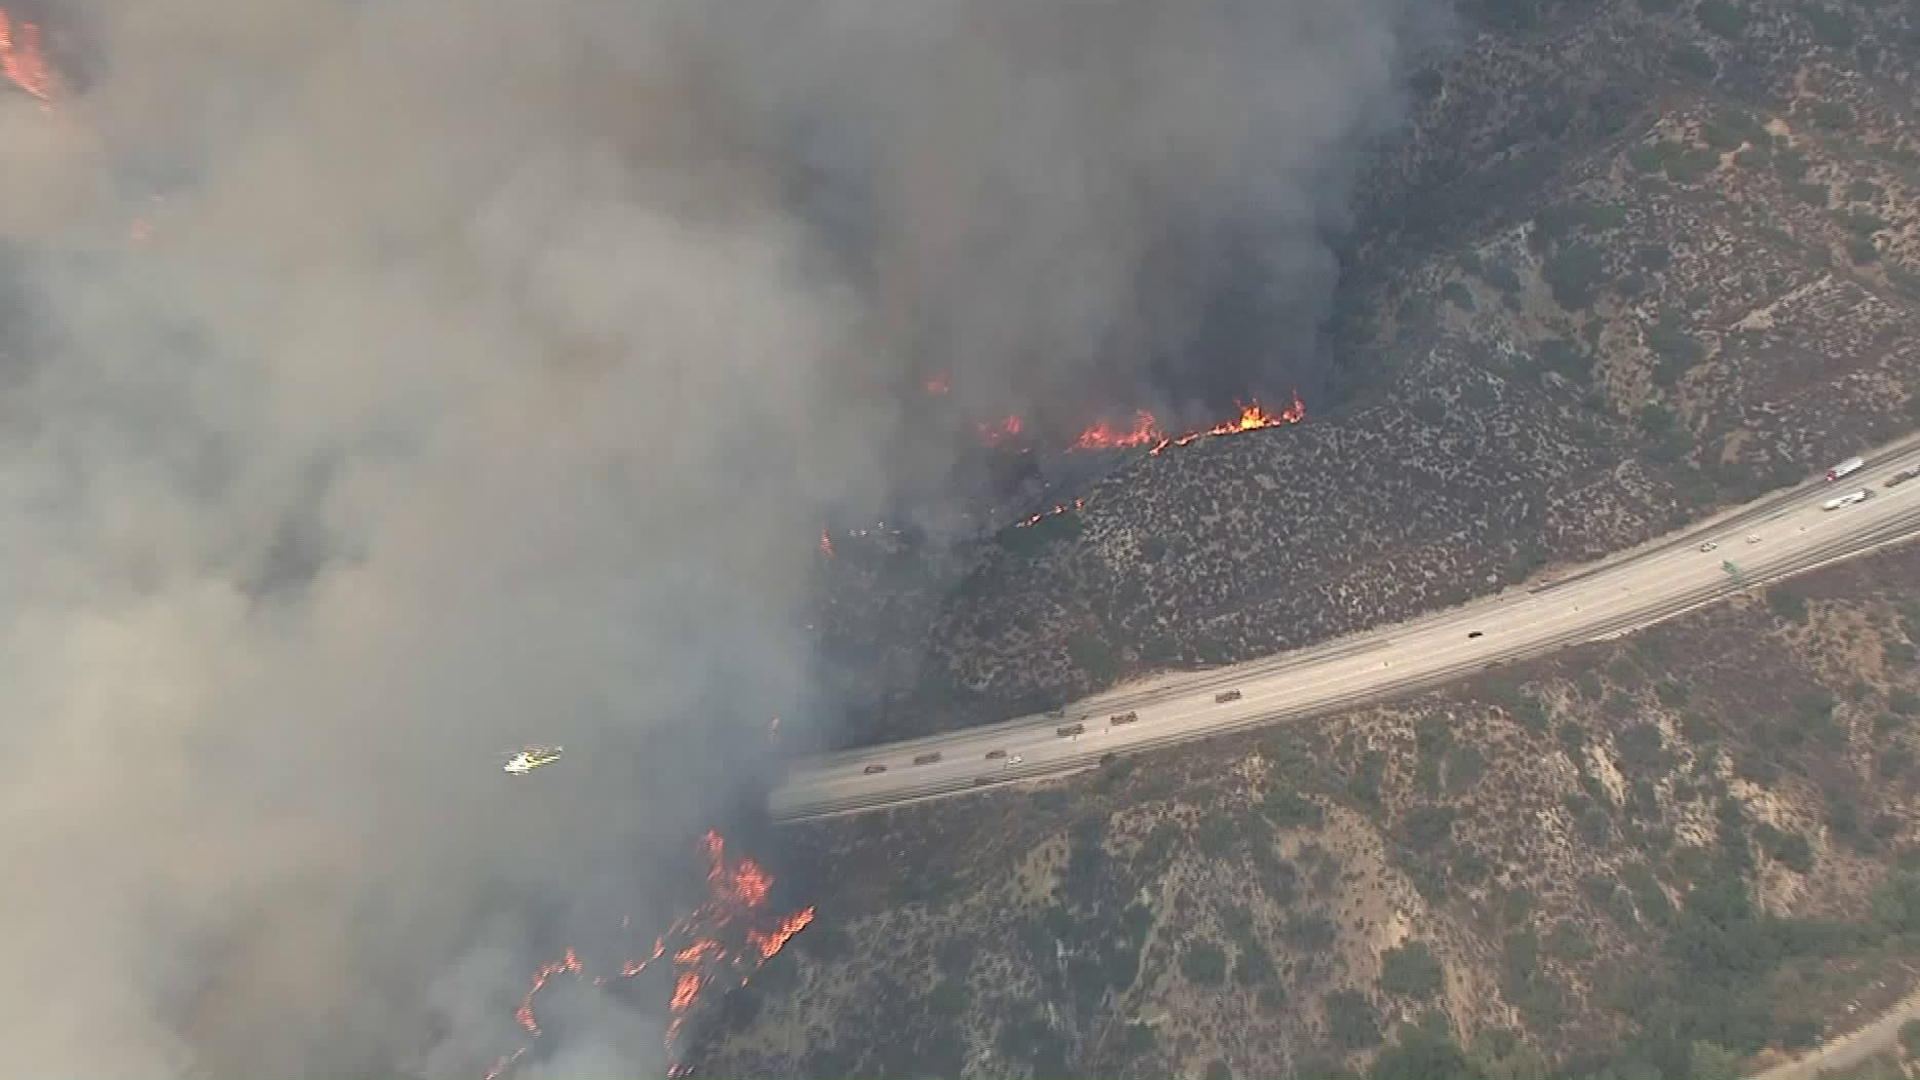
(1681, 854)
(1633, 259)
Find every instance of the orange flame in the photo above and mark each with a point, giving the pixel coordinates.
(769, 944)
(1146, 430)
(1102, 437)
(570, 964)
(734, 891)
(21, 59)
(1252, 418)
(995, 434)
(938, 386)
(826, 544)
(1061, 508)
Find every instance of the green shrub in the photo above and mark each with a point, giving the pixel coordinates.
(1565, 942)
(1831, 115)
(1720, 18)
(1204, 964)
(1692, 61)
(1351, 1022)
(1830, 28)
(1787, 604)
(1574, 275)
(1642, 750)
(1411, 970)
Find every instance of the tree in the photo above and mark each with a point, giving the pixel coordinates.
(1351, 1020)
(1420, 1054)
(1411, 970)
(1711, 1061)
(1910, 1037)
(1204, 964)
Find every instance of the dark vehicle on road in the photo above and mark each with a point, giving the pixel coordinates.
(1473, 633)
(1122, 718)
(927, 759)
(871, 769)
(991, 754)
(1069, 729)
(1225, 696)
(1903, 476)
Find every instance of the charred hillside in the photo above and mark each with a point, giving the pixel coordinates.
(1593, 297)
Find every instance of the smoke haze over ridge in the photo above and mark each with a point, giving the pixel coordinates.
(482, 383)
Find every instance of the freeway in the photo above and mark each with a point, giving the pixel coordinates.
(1781, 534)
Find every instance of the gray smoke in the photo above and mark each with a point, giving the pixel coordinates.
(483, 382)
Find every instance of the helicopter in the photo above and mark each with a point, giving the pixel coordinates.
(522, 762)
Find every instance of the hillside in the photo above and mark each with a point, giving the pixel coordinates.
(1634, 259)
(1679, 854)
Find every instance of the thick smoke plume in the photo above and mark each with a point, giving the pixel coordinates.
(481, 379)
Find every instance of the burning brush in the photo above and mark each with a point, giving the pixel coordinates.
(22, 59)
(727, 938)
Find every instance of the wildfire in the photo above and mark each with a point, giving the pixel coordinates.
(737, 891)
(21, 59)
(1004, 431)
(1059, 508)
(1146, 429)
(938, 386)
(1252, 418)
(826, 544)
(1102, 437)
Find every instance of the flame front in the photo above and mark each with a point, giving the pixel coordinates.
(737, 891)
(21, 58)
(1146, 429)
(1102, 437)
(1004, 431)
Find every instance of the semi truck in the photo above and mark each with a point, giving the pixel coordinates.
(1903, 476)
(1225, 696)
(1848, 499)
(1852, 464)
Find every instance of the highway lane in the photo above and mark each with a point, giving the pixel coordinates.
(1635, 588)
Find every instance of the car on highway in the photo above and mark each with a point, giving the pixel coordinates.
(1225, 696)
(1903, 476)
(1753, 538)
(1065, 730)
(1012, 761)
(1475, 633)
(991, 754)
(1122, 718)
(871, 769)
(926, 759)
(1708, 545)
(1848, 499)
